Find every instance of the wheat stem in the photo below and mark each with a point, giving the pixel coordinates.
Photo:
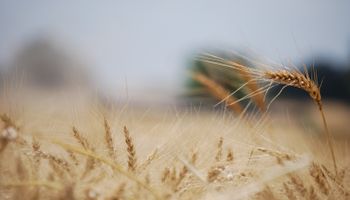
(47, 184)
(329, 137)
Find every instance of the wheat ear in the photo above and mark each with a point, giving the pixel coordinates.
(109, 140)
(130, 149)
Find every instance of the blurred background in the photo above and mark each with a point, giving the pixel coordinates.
(140, 52)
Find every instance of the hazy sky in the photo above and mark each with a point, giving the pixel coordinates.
(148, 43)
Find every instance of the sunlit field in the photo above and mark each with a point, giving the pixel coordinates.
(174, 100)
(66, 146)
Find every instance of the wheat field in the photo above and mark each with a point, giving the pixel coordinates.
(75, 147)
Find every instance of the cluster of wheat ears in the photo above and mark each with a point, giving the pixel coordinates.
(185, 156)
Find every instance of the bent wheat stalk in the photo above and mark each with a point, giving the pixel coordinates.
(219, 92)
(294, 78)
(304, 82)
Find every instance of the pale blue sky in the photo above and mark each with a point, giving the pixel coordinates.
(148, 42)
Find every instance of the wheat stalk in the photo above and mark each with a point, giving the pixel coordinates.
(319, 178)
(229, 155)
(298, 184)
(149, 159)
(90, 163)
(284, 77)
(219, 149)
(217, 91)
(109, 140)
(59, 161)
(304, 82)
(109, 162)
(130, 149)
(81, 140)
